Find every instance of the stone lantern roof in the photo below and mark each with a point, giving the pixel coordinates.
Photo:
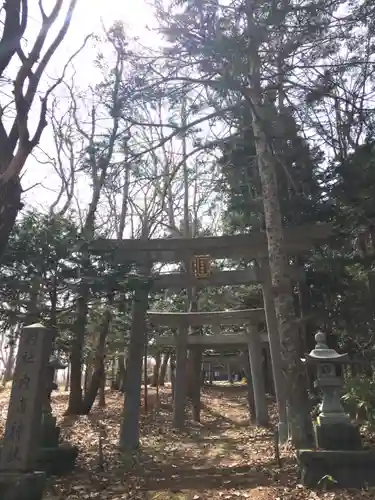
(322, 353)
(56, 363)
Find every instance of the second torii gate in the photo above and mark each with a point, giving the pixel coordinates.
(250, 338)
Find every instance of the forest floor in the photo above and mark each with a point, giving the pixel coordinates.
(223, 457)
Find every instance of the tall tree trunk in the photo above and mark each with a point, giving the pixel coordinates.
(123, 371)
(163, 368)
(194, 363)
(87, 373)
(113, 373)
(67, 380)
(129, 433)
(172, 369)
(257, 376)
(145, 373)
(33, 306)
(298, 412)
(12, 343)
(250, 390)
(179, 395)
(10, 205)
(76, 353)
(197, 378)
(8, 371)
(98, 376)
(120, 373)
(274, 345)
(99, 165)
(101, 402)
(155, 371)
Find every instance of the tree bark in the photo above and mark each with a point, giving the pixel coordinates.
(194, 361)
(129, 432)
(67, 380)
(93, 385)
(87, 373)
(274, 344)
(145, 374)
(267, 366)
(101, 401)
(8, 372)
(255, 356)
(155, 371)
(113, 373)
(179, 399)
(76, 353)
(172, 369)
(163, 368)
(120, 373)
(17, 143)
(10, 205)
(250, 390)
(197, 379)
(98, 375)
(93, 388)
(281, 283)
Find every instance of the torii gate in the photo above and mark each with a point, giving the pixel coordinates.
(252, 247)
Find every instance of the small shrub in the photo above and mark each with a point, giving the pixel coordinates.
(359, 398)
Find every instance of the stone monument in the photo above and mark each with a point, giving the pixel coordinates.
(19, 475)
(338, 452)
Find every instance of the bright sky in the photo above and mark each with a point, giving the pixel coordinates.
(90, 16)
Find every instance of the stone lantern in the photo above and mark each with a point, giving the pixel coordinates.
(333, 428)
(53, 365)
(54, 457)
(338, 453)
(50, 432)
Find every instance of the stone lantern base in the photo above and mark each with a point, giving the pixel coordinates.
(54, 457)
(57, 460)
(336, 468)
(337, 436)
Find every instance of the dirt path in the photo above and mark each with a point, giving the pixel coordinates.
(223, 455)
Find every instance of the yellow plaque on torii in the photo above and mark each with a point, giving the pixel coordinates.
(201, 266)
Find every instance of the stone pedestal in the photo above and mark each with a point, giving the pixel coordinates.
(57, 460)
(54, 458)
(337, 436)
(336, 468)
(22, 486)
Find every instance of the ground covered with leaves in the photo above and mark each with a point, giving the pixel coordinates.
(223, 457)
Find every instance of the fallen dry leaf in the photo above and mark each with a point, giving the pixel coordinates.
(222, 457)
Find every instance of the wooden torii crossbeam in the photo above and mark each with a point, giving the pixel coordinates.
(251, 246)
(209, 341)
(232, 317)
(218, 278)
(222, 359)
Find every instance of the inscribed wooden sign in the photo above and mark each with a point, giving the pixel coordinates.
(22, 430)
(201, 266)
